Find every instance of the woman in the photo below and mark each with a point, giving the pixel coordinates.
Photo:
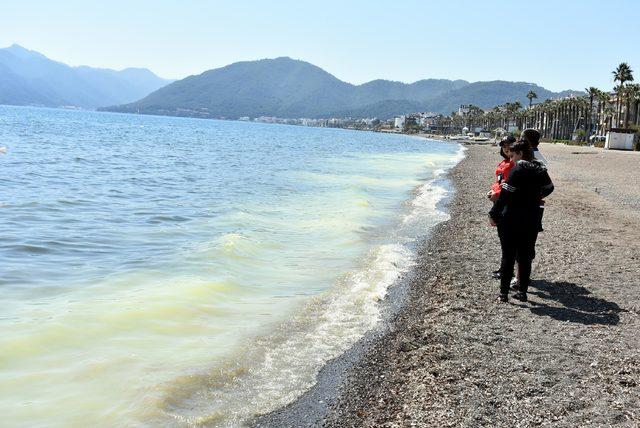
(502, 173)
(516, 213)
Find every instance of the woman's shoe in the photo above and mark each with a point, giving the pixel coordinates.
(503, 298)
(520, 296)
(495, 274)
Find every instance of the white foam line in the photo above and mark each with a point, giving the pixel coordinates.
(284, 365)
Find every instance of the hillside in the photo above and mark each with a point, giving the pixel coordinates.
(288, 88)
(30, 78)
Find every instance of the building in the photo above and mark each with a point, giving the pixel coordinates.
(428, 119)
(620, 139)
(463, 110)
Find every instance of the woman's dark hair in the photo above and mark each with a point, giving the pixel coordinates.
(506, 141)
(532, 136)
(523, 146)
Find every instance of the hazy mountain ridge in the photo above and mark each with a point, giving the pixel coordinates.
(284, 87)
(29, 78)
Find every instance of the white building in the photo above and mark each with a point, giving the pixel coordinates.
(399, 122)
(427, 119)
(619, 140)
(463, 110)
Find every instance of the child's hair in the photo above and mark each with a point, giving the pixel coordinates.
(506, 141)
(532, 136)
(523, 146)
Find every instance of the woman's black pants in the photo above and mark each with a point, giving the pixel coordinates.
(518, 244)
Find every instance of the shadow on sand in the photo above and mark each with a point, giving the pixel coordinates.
(578, 305)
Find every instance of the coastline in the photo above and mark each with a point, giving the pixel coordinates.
(313, 407)
(447, 355)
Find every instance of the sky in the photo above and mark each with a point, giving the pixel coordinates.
(560, 44)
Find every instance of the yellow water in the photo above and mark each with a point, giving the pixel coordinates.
(216, 306)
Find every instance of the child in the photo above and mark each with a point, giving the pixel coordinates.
(502, 174)
(503, 168)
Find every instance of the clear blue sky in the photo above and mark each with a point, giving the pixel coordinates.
(558, 44)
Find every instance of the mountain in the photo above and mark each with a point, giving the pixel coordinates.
(30, 78)
(288, 88)
(279, 87)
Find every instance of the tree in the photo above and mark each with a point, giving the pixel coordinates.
(567, 117)
(632, 98)
(631, 93)
(623, 73)
(511, 112)
(603, 99)
(531, 95)
(592, 93)
(473, 116)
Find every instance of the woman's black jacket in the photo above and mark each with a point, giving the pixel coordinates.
(519, 201)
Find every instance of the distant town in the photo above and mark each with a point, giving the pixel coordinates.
(609, 119)
(409, 123)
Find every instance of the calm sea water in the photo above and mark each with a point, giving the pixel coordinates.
(175, 271)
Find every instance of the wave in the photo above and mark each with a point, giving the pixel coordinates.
(280, 366)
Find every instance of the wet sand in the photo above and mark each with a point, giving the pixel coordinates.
(449, 355)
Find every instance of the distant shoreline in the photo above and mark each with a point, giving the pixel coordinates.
(99, 110)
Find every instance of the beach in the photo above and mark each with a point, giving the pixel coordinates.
(449, 355)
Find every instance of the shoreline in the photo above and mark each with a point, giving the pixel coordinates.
(447, 355)
(313, 406)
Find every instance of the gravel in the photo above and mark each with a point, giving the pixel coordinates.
(453, 356)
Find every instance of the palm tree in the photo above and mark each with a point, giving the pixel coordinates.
(623, 73)
(609, 112)
(603, 99)
(633, 95)
(511, 112)
(630, 93)
(548, 108)
(531, 95)
(591, 93)
(582, 113)
(473, 116)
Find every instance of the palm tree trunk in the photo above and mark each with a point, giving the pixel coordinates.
(545, 121)
(588, 119)
(626, 114)
(619, 109)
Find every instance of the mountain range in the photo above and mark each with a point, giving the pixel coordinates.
(280, 87)
(30, 78)
(288, 88)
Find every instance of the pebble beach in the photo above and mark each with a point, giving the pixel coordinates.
(450, 355)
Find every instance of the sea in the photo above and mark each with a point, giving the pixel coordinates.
(165, 271)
